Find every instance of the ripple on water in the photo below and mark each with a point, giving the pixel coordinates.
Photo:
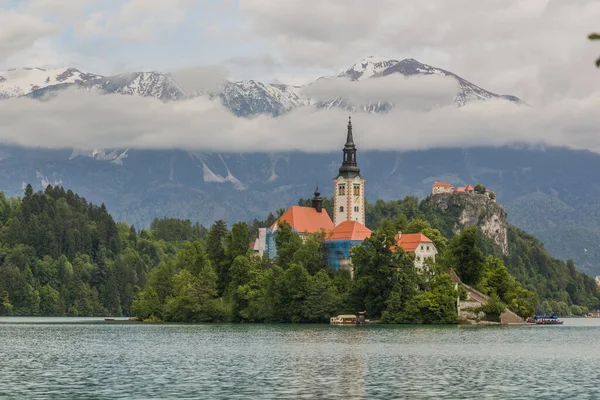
(291, 362)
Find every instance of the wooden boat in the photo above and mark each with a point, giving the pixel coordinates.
(109, 319)
(344, 320)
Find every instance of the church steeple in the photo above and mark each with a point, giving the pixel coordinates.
(349, 186)
(349, 168)
(317, 201)
(349, 138)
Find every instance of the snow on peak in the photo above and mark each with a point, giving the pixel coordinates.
(20, 82)
(368, 67)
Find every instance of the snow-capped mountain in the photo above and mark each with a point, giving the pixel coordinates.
(243, 98)
(368, 67)
(21, 82)
(468, 92)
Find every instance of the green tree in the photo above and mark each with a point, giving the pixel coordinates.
(479, 188)
(375, 270)
(494, 307)
(215, 247)
(323, 299)
(466, 257)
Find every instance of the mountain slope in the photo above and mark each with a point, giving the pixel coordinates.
(243, 98)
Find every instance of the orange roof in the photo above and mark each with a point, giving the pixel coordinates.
(410, 241)
(306, 219)
(441, 184)
(469, 188)
(349, 230)
(460, 189)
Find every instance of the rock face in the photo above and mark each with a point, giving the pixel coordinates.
(476, 210)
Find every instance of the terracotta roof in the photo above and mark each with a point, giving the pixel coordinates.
(410, 241)
(460, 189)
(349, 230)
(441, 184)
(469, 188)
(306, 219)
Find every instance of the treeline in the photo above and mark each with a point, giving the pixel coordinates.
(221, 280)
(60, 255)
(553, 280)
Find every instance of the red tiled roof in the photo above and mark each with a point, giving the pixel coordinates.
(469, 188)
(306, 219)
(410, 241)
(460, 189)
(441, 184)
(349, 230)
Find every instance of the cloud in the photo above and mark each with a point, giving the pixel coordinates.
(21, 31)
(200, 79)
(80, 119)
(513, 46)
(418, 92)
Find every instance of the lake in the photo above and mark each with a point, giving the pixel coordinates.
(87, 358)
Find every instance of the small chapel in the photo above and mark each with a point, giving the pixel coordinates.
(347, 229)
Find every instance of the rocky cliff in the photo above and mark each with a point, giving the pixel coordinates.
(476, 210)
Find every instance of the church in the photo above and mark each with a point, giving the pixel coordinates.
(347, 229)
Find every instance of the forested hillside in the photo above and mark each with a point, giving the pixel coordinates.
(61, 255)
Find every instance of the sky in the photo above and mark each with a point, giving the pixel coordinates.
(536, 50)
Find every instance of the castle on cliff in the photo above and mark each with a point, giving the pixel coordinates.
(444, 187)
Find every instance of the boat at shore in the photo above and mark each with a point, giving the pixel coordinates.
(544, 320)
(349, 319)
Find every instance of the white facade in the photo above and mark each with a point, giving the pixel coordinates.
(424, 251)
(260, 245)
(349, 200)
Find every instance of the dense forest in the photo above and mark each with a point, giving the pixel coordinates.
(61, 255)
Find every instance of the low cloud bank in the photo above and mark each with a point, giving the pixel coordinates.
(79, 119)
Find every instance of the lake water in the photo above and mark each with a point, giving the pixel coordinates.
(87, 358)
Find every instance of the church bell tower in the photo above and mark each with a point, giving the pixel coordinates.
(349, 186)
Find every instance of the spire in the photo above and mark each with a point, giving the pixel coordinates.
(349, 166)
(317, 201)
(349, 138)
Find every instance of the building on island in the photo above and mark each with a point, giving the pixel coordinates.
(302, 220)
(349, 186)
(347, 229)
(341, 240)
(419, 244)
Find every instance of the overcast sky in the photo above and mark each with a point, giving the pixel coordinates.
(534, 49)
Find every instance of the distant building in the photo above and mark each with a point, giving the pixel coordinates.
(441, 187)
(466, 189)
(419, 244)
(598, 280)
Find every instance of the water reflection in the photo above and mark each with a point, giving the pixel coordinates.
(290, 362)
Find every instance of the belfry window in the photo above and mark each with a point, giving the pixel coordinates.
(342, 189)
(341, 208)
(356, 190)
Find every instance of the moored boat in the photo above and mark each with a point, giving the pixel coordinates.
(344, 320)
(544, 320)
